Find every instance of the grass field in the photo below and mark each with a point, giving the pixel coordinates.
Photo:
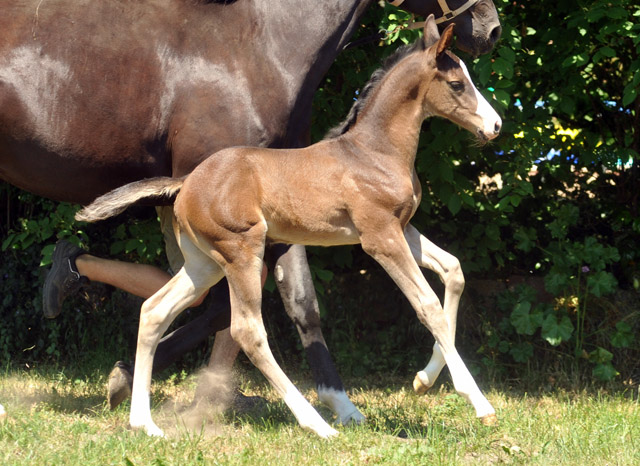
(56, 417)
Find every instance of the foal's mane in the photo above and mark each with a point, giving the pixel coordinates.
(374, 81)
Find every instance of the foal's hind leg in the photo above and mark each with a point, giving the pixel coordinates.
(295, 285)
(391, 250)
(197, 275)
(431, 257)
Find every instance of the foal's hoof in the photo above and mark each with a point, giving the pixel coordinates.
(489, 419)
(421, 383)
(119, 386)
(3, 413)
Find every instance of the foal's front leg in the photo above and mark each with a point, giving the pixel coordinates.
(295, 285)
(248, 330)
(431, 257)
(390, 249)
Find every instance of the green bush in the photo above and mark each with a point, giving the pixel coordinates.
(555, 198)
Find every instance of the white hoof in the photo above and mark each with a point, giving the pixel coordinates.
(154, 431)
(489, 419)
(3, 413)
(150, 428)
(421, 383)
(325, 431)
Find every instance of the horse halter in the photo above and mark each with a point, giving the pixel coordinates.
(447, 13)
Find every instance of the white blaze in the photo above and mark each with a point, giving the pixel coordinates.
(490, 119)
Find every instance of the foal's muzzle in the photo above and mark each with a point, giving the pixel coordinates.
(489, 133)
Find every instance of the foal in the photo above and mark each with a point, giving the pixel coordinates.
(358, 187)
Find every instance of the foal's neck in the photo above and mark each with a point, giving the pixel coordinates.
(390, 123)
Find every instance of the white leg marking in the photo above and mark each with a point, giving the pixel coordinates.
(307, 417)
(341, 405)
(198, 274)
(429, 374)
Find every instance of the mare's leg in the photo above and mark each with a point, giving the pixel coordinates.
(198, 274)
(431, 257)
(390, 249)
(293, 278)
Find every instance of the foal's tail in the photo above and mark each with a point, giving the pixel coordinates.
(161, 188)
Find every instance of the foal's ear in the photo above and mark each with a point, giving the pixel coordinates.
(445, 41)
(430, 33)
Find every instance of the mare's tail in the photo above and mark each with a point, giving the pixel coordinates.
(161, 188)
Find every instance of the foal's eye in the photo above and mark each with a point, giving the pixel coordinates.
(457, 86)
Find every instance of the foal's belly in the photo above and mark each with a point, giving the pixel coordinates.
(318, 235)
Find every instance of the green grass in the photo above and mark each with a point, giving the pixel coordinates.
(57, 418)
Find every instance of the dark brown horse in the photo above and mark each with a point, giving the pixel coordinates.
(95, 94)
(361, 188)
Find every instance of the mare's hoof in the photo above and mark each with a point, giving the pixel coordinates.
(489, 419)
(3, 413)
(355, 418)
(120, 383)
(420, 385)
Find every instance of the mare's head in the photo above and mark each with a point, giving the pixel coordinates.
(450, 93)
(476, 22)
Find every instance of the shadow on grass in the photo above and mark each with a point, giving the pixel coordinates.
(51, 399)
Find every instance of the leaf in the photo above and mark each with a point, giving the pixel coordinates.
(46, 254)
(601, 283)
(576, 60)
(525, 238)
(507, 53)
(502, 97)
(607, 51)
(556, 331)
(605, 372)
(521, 352)
(523, 320)
(454, 203)
(616, 12)
(323, 274)
(131, 244)
(555, 282)
(502, 67)
(630, 94)
(623, 338)
(600, 355)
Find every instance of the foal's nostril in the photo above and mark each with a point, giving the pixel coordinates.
(497, 127)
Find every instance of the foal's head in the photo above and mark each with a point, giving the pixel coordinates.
(450, 92)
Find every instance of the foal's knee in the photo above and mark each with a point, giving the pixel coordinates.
(249, 337)
(454, 278)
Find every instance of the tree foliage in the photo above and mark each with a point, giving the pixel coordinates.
(555, 197)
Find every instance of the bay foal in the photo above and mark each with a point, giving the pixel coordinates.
(357, 187)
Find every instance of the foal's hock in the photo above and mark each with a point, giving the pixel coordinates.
(357, 186)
